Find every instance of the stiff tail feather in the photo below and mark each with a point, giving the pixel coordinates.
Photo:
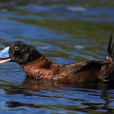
(106, 71)
(110, 50)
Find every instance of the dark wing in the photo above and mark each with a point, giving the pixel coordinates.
(73, 68)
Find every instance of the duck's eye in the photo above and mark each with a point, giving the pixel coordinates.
(16, 48)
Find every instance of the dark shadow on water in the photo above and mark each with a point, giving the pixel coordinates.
(32, 87)
(33, 84)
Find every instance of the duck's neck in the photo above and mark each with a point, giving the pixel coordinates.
(41, 62)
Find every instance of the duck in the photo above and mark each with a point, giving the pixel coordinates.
(37, 66)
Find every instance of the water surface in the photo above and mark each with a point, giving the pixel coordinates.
(64, 31)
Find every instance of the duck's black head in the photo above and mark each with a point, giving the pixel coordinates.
(19, 52)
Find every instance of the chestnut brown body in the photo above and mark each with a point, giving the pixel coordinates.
(43, 68)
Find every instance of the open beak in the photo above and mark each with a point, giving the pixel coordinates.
(4, 55)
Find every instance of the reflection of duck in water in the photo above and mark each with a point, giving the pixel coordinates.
(45, 89)
(37, 65)
(32, 84)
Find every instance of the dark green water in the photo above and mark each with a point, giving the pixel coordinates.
(65, 31)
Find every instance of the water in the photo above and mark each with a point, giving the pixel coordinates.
(64, 31)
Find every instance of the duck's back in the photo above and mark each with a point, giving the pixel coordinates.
(87, 71)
